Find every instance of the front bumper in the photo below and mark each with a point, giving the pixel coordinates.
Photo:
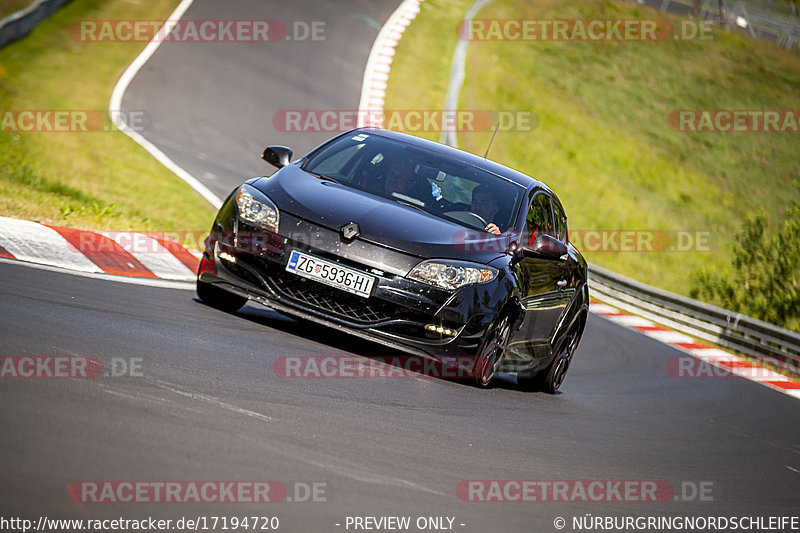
(399, 311)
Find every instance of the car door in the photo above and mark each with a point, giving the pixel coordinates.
(569, 279)
(543, 282)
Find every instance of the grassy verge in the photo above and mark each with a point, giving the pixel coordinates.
(94, 180)
(602, 140)
(8, 7)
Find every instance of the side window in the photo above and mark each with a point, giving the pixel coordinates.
(561, 223)
(539, 219)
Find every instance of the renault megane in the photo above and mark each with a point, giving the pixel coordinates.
(411, 243)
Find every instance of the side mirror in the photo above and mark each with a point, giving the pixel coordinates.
(546, 246)
(277, 156)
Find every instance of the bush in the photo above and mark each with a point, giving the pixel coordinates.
(765, 279)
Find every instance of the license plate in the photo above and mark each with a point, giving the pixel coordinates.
(333, 274)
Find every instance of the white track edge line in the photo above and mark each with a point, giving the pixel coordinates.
(458, 67)
(115, 106)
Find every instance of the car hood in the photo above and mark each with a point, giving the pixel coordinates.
(381, 221)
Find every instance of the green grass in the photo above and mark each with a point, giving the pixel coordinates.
(8, 7)
(94, 180)
(603, 142)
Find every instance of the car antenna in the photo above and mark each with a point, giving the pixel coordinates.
(492, 139)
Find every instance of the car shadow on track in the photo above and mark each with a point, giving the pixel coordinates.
(378, 353)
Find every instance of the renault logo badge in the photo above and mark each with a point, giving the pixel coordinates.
(350, 231)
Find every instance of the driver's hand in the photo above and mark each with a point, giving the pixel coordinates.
(492, 228)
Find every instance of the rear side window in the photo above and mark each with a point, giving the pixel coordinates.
(539, 219)
(560, 222)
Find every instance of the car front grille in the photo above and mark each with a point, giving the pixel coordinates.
(330, 300)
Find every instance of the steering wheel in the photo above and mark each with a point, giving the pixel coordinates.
(468, 217)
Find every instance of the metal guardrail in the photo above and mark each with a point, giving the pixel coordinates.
(774, 20)
(737, 332)
(779, 20)
(19, 24)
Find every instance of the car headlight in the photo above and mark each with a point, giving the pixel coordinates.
(256, 209)
(451, 275)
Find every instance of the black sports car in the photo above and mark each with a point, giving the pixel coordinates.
(412, 243)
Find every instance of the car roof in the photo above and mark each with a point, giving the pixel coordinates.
(454, 153)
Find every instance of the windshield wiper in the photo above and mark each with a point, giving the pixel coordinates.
(409, 205)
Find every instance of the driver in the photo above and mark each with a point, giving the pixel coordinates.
(401, 179)
(485, 205)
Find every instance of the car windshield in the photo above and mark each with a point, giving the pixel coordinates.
(419, 178)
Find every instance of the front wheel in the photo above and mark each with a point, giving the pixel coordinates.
(219, 298)
(488, 361)
(550, 379)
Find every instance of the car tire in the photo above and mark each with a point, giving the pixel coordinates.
(219, 298)
(550, 379)
(490, 356)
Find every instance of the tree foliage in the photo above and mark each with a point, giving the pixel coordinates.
(764, 280)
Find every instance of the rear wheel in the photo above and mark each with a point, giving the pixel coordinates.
(550, 379)
(488, 361)
(219, 298)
